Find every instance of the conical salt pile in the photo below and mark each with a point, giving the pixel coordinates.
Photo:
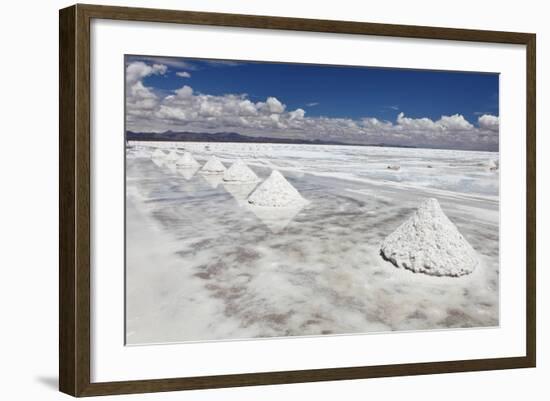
(187, 161)
(240, 172)
(430, 243)
(213, 166)
(276, 191)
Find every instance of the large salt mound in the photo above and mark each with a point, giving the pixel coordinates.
(187, 160)
(430, 243)
(276, 191)
(213, 166)
(240, 172)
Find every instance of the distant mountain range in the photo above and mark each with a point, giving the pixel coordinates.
(233, 137)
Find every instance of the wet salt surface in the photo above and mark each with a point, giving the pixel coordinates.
(201, 265)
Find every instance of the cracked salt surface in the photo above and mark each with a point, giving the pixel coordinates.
(201, 266)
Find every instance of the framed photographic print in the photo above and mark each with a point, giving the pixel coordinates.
(250, 200)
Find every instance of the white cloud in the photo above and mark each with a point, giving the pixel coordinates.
(415, 124)
(374, 124)
(141, 100)
(183, 74)
(456, 122)
(297, 114)
(247, 108)
(489, 122)
(138, 70)
(271, 105)
(184, 92)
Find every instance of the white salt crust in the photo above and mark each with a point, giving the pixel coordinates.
(428, 242)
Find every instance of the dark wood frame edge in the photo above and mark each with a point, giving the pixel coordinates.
(74, 200)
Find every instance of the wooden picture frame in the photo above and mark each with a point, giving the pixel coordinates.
(75, 197)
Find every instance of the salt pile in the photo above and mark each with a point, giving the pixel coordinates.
(430, 243)
(276, 191)
(213, 166)
(240, 172)
(187, 161)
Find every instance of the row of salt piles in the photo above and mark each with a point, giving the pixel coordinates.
(428, 242)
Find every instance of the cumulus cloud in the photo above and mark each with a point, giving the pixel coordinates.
(272, 105)
(141, 101)
(183, 74)
(488, 122)
(454, 123)
(297, 114)
(138, 70)
(186, 110)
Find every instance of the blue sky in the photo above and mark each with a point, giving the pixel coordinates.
(328, 95)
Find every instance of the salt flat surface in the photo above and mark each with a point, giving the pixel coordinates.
(202, 264)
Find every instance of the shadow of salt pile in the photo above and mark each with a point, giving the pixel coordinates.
(240, 191)
(158, 157)
(181, 164)
(275, 219)
(187, 172)
(213, 179)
